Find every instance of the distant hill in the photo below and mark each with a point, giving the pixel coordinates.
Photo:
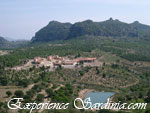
(114, 28)
(3, 42)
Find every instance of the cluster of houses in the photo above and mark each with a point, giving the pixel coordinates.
(57, 60)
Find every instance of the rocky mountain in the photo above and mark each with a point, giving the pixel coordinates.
(114, 28)
(53, 31)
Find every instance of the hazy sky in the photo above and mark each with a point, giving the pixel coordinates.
(20, 19)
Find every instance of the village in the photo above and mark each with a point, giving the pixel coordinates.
(55, 61)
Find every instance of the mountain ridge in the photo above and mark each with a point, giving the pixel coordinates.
(61, 31)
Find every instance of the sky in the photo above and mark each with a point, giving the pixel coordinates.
(21, 19)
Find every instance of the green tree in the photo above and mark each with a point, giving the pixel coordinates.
(23, 83)
(49, 92)
(40, 97)
(104, 75)
(9, 93)
(97, 70)
(19, 93)
(4, 81)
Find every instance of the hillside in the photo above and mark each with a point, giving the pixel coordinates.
(125, 70)
(53, 31)
(3, 42)
(109, 28)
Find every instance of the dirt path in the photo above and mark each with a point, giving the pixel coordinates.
(29, 87)
(61, 85)
(83, 93)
